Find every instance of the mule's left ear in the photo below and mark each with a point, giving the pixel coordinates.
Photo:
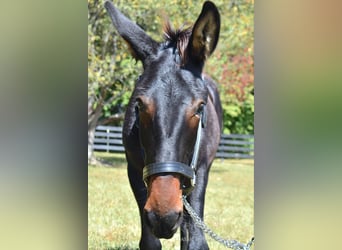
(204, 35)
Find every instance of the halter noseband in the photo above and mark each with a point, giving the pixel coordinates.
(189, 172)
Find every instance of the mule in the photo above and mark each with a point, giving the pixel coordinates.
(172, 125)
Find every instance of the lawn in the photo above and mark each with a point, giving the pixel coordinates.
(113, 217)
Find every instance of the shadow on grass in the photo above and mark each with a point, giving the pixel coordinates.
(220, 165)
(122, 248)
(114, 160)
(218, 170)
(249, 162)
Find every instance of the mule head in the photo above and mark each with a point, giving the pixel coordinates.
(167, 102)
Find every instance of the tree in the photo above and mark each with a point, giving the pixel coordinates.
(109, 73)
(232, 65)
(112, 71)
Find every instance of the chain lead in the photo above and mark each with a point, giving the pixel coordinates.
(233, 244)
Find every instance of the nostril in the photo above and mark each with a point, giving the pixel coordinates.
(172, 219)
(150, 218)
(178, 219)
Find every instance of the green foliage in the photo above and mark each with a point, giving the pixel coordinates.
(112, 68)
(232, 66)
(239, 117)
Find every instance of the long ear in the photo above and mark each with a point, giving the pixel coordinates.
(204, 35)
(140, 43)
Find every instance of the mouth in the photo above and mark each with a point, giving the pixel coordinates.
(163, 230)
(164, 234)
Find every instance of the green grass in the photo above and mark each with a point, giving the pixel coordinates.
(113, 217)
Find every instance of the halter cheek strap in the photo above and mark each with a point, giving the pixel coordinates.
(203, 121)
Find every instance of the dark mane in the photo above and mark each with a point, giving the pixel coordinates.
(178, 38)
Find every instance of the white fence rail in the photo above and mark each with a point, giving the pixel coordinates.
(109, 139)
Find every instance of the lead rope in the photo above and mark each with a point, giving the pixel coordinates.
(233, 244)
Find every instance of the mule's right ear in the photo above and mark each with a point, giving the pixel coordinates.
(140, 43)
(205, 35)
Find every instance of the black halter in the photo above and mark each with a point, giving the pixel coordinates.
(189, 172)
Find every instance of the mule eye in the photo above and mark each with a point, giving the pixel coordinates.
(140, 105)
(200, 109)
